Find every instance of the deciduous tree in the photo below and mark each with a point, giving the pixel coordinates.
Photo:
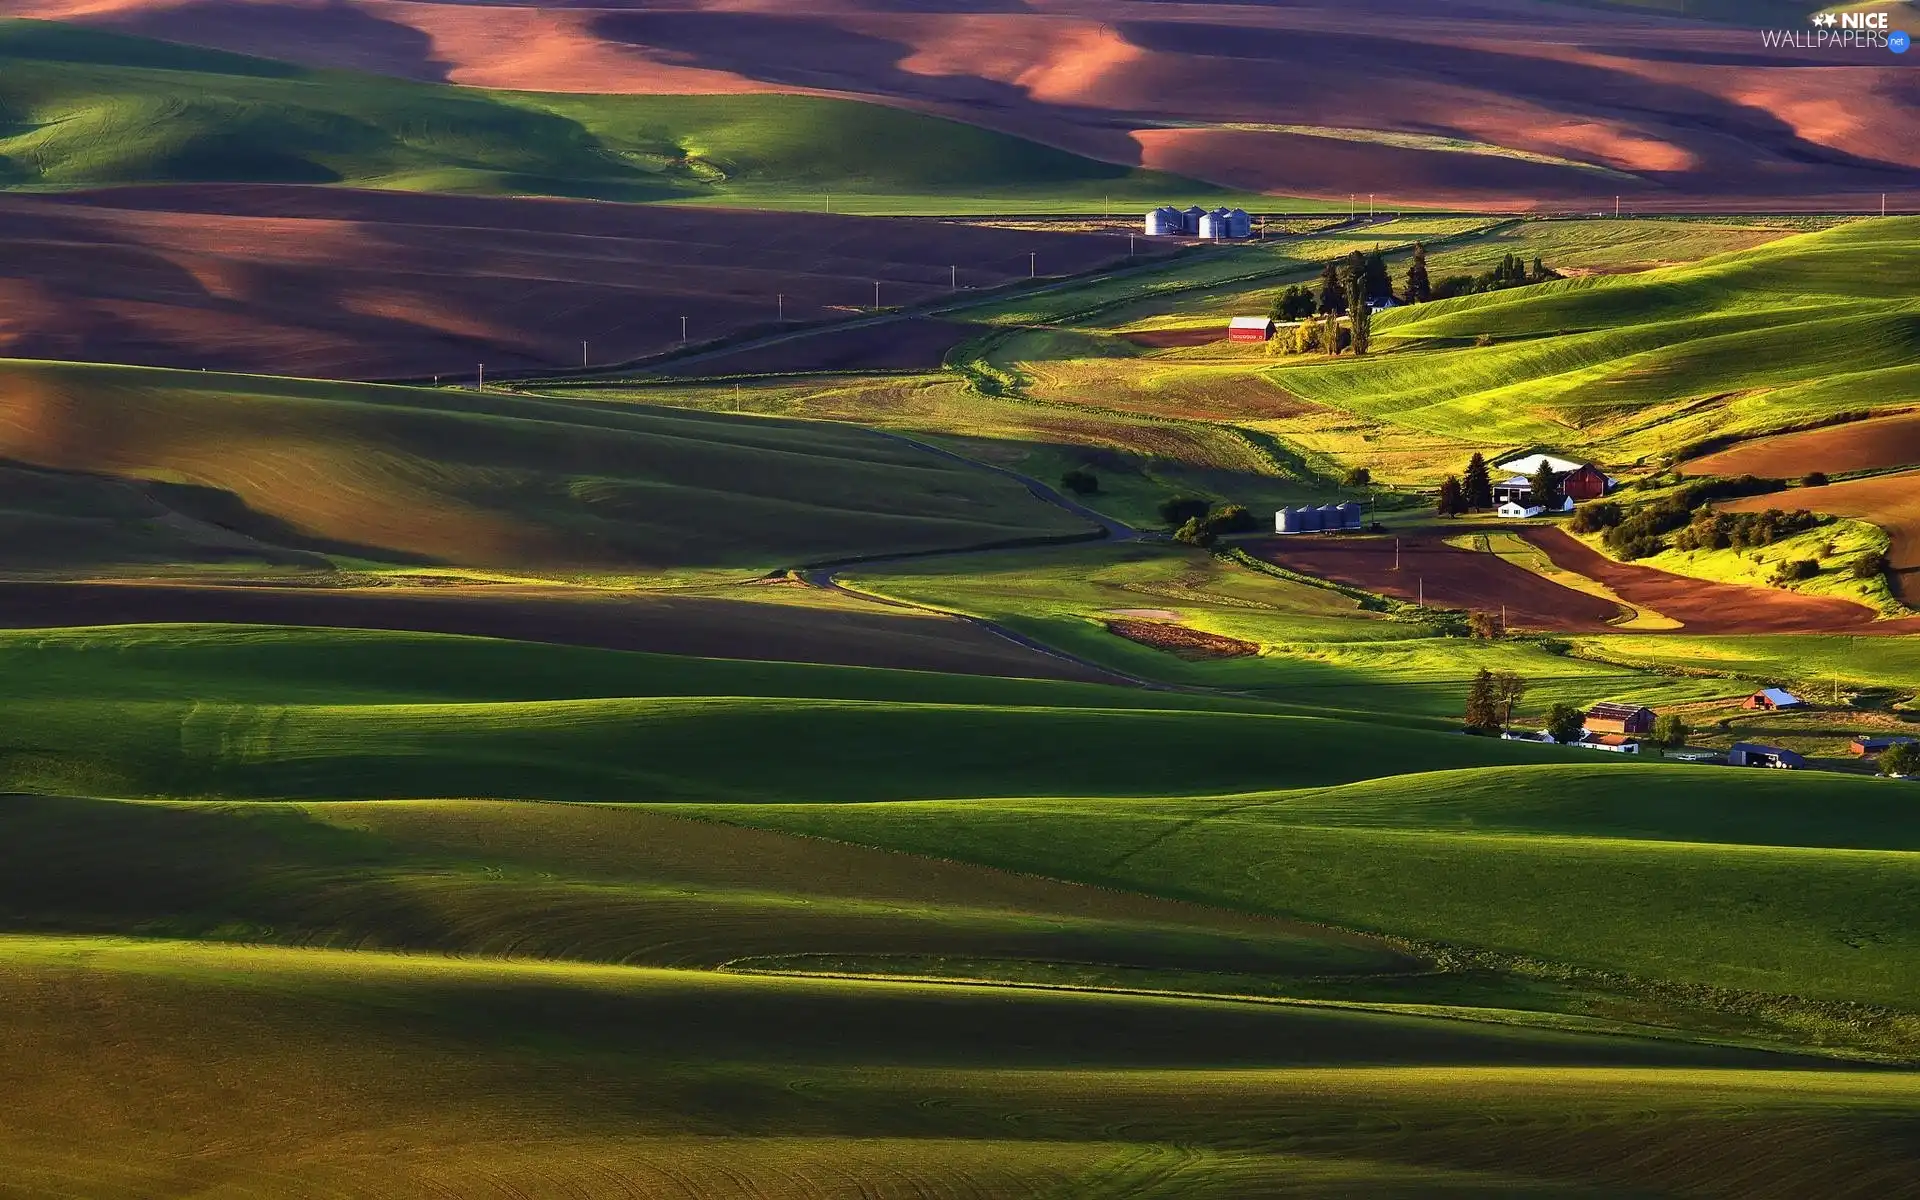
(1333, 296)
(1483, 706)
(1565, 723)
(1670, 729)
(1901, 758)
(1507, 690)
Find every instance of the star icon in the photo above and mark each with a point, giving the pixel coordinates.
(1825, 18)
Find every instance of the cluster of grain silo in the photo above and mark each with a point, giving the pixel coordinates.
(1328, 518)
(1220, 224)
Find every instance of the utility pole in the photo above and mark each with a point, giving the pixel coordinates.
(1369, 206)
(876, 295)
(1396, 554)
(953, 278)
(780, 305)
(583, 354)
(683, 331)
(1423, 591)
(1616, 208)
(736, 398)
(483, 377)
(1883, 204)
(1130, 238)
(1033, 264)
(829, 201)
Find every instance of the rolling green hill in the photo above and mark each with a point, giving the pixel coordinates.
(146, 465)
(81, 108)
(1798, 330)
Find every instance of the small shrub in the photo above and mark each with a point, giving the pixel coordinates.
(1080, 482)
(1359, 477)
(1871, 565)
(1231, 518)
(1592, 518)
(1178, 510)
(1795, 570)
(1485, 339)
(1194, 533)
(1814, 479)
(1483, 624)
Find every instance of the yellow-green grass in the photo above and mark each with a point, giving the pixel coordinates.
(86, 108)
(184, 711)
(1317, 649)
(1801, 327)
(1786, 885)
(1521, 553)
(1814, 660)
(438, 477)
(167, 1070)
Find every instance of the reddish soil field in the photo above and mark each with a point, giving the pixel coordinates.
(1683, 114)
(1173, 339)
(369, 285)
(1706, 607)
(1890, 501)
(920, 343)
(707, 627)
(1871, 445)
(1182, 642)
(1453, 578)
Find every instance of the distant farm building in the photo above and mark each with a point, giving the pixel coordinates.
(1874, 745)
(1747, 754)
(1250, 329)
(1620, 718)
(1328, 518)
(1519, 491)
(1381, 303)
(1531, 463)
(1769, 699)
(1515, 510)
(1222, 224)
(1578, 481)
(1587, 483)
(1612, 743)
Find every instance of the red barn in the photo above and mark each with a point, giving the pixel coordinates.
(1586, 483)
(1249, 329)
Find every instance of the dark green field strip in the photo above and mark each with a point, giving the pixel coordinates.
(363, 1073)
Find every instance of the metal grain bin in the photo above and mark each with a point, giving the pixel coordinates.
(1331, 518)
(1305, 519)
(1212, 227)
(1239, 224)
(1190, 219)
(1165, 221)
(1351, 514)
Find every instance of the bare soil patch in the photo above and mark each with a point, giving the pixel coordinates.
(702, 626)
(366, 285)
(1870, 445)
(1447, 576)
(1168, 339)
(1191, 644)
(1703, 606)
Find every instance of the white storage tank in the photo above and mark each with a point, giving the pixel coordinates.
(1213, 226)
(1164, 221)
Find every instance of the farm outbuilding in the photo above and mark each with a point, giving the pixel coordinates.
(1769, 699)
(1874, 745)
(1587, 483)
(1608, 717)
(1515, 510)
(1612, 743)
(1250, 329)
(1747, 754)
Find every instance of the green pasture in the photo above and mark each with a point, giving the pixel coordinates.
(1802, 886)
(1809, 660)
(370, 1071)
(83, 108)
(284, 469)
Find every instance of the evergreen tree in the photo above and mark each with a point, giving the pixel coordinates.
(1539, 270)
(1452, 503)
(1544, 488)
(1330, 333)
(1483, 707)
(1419, 289)
(1478, 486)
(1379, 283)
(1333, 297)
(1360, 317)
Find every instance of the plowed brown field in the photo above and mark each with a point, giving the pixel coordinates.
(356, 285)
(1707, 607)
(704, 626)
(1451, 578)
(1665, 111)
(919, 343)
(1856, 446)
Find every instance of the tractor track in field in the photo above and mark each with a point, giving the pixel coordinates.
(825, 575)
